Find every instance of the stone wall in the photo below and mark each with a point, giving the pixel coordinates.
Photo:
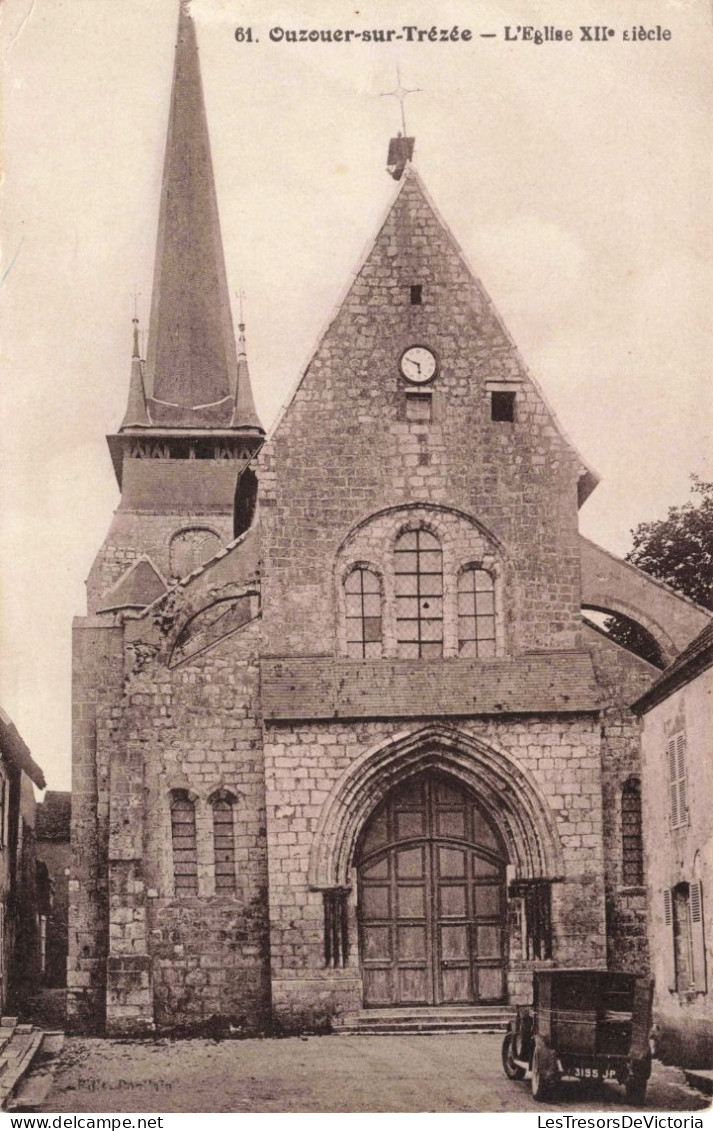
(57, 857)
(194, 727)
(132, 536)
(680, 855)
(303, 765)
(622, 677)
(97, 673)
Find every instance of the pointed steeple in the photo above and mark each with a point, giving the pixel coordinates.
(191, 366)
(245, 415)
(136, 413)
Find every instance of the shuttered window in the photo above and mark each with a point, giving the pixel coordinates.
(632, 852)
(685, 946)
(183, 836)
(676, 763)
(223, 843)
(698, 942)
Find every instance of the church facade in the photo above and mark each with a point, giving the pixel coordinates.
(342, 738)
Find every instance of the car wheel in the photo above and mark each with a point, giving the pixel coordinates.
(513, 1070)
(635, 1090)
(541, 1080)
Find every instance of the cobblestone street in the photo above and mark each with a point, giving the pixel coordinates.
(455, 1073)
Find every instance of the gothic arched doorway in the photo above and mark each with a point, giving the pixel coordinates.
(431, 898)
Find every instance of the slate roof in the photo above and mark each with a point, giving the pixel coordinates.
(140, 586)
(696, 657)
(191, 377)
(53, 815)
(16, 750)
(323, 687)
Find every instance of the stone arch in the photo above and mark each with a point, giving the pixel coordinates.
(434, 509)
(222, 793)
(516, 805)
(190, 547)
(362, 563)
(606, 603)
(611, 584)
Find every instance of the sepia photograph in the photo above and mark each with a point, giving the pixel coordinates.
(356, 603)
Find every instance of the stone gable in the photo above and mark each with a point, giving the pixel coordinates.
(345, 447)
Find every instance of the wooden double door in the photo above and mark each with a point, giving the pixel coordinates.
(431, 886)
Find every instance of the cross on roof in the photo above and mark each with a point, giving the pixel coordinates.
(400, 92)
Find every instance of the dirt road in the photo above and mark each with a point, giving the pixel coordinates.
(459, 1072)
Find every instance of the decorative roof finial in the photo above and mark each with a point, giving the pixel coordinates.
(245, 415)
(242, 349)
(135, 321)
(136, 410)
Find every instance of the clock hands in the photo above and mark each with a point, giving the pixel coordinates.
(418, 364)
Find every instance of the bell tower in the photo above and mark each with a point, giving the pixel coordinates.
(190, 426)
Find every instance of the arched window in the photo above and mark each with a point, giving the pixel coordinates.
(190, 548)
(476, 613)
(223, 842)
(632, 852)
(183, 837)
(363, 607)
(419, 595)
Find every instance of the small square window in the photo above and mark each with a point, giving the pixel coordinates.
(502, 407)
(416, 295)
(418, 404)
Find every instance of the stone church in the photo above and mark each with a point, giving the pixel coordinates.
(342, 738)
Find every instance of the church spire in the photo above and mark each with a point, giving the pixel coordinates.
(136, 414)
(191, 366)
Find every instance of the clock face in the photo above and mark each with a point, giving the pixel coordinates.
(418, 364)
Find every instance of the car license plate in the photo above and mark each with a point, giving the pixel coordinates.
(590, 1072)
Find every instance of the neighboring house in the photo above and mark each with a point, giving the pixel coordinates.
(677, 788)
(23, 900)
(53, 851)
(341, 735)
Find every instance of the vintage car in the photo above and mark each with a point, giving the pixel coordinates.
(590, 1024)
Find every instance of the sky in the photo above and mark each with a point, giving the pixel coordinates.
(576, 176)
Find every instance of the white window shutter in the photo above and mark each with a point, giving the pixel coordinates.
(672, 782)
(681, 775)
(698, 942)
(676, 765)
(668, 945)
